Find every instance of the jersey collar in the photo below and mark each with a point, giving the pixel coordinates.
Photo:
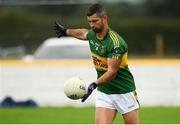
(104, 35)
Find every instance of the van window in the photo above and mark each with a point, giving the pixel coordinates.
(63, 52)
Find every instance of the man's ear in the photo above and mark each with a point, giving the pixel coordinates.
(105, 16)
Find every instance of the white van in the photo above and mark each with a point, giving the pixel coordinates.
(62, 48)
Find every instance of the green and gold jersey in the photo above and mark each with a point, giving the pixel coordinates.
(112, 46)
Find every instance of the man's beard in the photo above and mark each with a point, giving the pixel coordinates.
(97, 30)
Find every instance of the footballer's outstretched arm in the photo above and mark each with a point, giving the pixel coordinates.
(63, 31)
(77, 33)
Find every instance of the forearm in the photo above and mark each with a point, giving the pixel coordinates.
(106, 77)
(110, 74)
(77, 33)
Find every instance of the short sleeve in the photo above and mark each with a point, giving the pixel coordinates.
(117, 47)
(89, 34)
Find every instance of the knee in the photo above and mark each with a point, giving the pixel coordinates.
(102, 120)
(131, 121)
(131, 117)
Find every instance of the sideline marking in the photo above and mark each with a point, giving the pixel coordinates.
(83, 63)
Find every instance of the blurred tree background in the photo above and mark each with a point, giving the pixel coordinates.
(150, 27)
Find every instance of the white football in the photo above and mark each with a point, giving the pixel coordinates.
(75, 88)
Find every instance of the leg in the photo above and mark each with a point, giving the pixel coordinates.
(105, 115)
(131, 117)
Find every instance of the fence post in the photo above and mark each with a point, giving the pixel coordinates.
(159, 45)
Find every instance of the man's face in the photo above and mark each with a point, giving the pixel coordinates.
(96, 23)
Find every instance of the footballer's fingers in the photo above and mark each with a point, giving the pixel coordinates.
(56, 24)
(59, 36)
(85, 97)
(57, 32)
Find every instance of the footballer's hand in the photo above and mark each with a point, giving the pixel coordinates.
(60, 29)
(91, 88)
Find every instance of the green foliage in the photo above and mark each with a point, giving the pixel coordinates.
(163, 8)
(82, 115)
(141, 33)
(30, 26)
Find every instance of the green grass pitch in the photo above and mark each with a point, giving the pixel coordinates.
(83, 115)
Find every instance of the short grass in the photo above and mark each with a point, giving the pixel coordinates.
(82, 115)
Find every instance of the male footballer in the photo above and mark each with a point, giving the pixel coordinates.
(115, 83)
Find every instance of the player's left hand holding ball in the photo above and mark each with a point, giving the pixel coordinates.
(91, 88)
(60, 29)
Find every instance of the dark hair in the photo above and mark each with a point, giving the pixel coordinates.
(96, 8)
